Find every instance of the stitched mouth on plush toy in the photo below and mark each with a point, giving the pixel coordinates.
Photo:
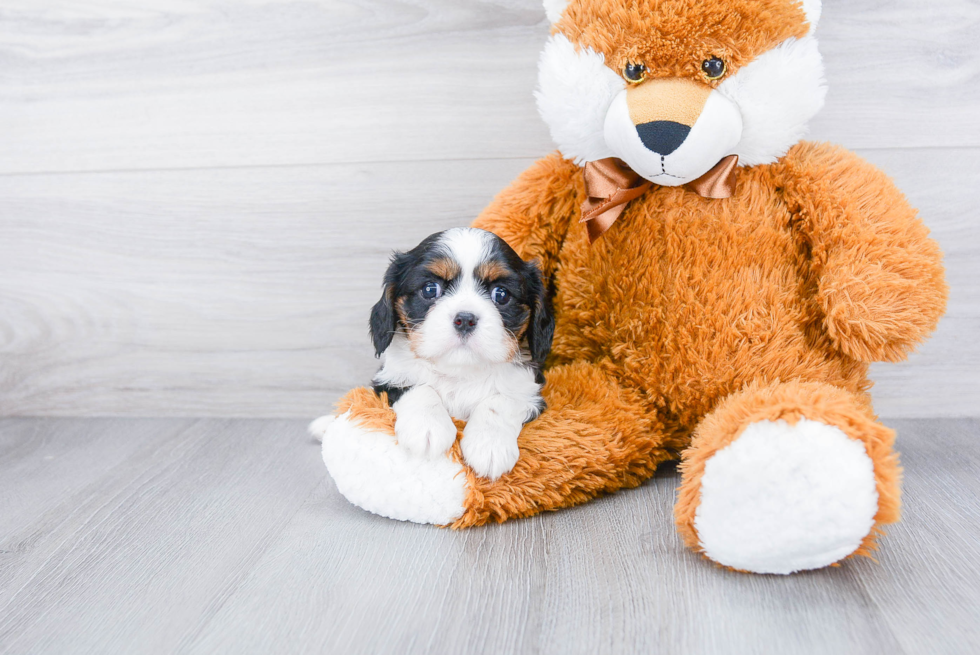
(663, 169)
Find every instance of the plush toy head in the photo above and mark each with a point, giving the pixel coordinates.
(672, 88)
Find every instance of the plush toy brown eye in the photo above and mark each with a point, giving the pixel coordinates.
(713, 68)
(634, 73)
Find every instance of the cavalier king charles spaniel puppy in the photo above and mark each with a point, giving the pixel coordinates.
(464, 325)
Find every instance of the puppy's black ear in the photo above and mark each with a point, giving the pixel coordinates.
(542, 327)
(384, 320)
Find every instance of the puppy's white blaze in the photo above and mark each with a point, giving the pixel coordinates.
(777, 95)
(713, 137)
(468, 246)
(575, 89)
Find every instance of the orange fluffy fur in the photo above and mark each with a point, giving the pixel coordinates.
(672, 41)
(692, 317)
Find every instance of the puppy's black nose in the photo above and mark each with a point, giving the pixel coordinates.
(465, 323)
(663, 137)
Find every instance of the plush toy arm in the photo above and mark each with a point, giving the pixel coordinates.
(880, 277)
(535, 212)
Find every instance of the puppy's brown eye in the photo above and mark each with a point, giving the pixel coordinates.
(431, 291)
(500, 295)
(634, 73)
(713, 68)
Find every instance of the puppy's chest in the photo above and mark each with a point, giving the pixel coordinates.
(460, 399)
(462, 395)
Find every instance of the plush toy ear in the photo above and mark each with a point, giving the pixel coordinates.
(553, 9)
(812, 9)
(542, 323)
(384, 320)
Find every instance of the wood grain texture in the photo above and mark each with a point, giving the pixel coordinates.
(936, 547)
(120, 85)
(46, 463)
(197, 198)
(227, 537)
(246, 291)
(232, 291)
(152, 538)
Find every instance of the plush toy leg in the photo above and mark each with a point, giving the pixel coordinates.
(373, 472)
(788, 477)
(594, 437)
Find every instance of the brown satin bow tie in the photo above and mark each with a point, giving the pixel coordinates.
(610, 184)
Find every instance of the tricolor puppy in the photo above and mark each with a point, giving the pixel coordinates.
(465, 326)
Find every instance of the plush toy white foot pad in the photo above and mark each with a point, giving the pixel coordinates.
(783, 498)
(373, 472)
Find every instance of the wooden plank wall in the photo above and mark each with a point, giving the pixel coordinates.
(197, 198)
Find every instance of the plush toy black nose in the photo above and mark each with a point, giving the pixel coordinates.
(663, 137)
(465, 323)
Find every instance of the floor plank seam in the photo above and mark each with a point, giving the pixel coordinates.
(255, 557)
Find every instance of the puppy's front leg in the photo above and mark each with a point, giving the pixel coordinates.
(422, 424)
(490, 437)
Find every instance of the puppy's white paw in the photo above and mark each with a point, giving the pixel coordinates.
(490, 446)
(425, 433)
(422, 424)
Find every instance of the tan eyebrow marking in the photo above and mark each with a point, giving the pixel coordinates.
(444, 267)
(490, 271)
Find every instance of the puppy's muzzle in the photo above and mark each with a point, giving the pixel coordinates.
(465, 323)
(665, 110)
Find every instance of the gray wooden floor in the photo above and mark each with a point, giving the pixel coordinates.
(204, 536)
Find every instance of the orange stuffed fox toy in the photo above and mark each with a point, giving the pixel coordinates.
(719, 287)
